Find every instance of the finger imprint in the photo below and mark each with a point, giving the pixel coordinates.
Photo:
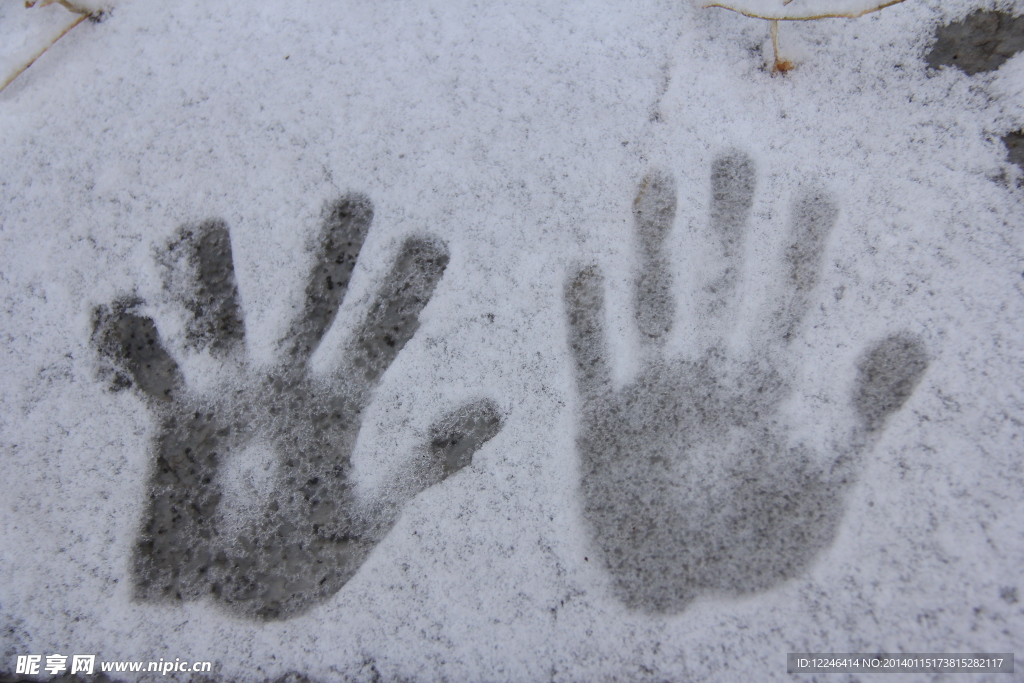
(584, 302)
(395, 314)
(732, 196)
(654, 213)
(813, 216)
(887, 376)
(454, 440)
(132, 344)
(344, 231)
(210, 291)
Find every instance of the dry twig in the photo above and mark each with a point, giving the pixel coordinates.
(775, 11)
(82, 13)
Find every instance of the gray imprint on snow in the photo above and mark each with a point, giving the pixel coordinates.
(689, 483)
(982, 41)
(308, 535)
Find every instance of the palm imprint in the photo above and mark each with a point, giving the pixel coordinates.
(298, 533)
(690, 482)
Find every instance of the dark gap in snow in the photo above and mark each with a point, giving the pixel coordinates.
(983, 41)
(1015, 148)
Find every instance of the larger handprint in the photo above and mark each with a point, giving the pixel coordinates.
(307, 533)
(690, 482)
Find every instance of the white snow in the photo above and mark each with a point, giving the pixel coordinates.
(517, 132)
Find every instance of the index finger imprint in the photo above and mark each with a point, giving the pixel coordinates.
(584, 302)
(813, 216)
(394, 316)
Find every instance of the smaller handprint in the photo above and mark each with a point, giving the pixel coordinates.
(306, 533)
(690, 483)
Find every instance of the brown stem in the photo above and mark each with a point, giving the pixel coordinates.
(779, 65)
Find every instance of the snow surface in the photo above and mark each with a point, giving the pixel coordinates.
(518, 133)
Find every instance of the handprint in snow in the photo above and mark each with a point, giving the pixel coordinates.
(307, 534)
(690, 484)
